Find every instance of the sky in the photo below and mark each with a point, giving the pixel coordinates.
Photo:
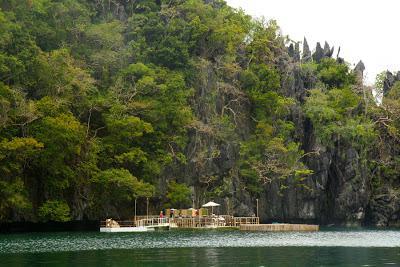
(366, 30)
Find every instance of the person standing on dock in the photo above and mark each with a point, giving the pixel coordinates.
(162, 216)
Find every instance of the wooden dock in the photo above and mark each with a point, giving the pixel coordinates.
(213, 222)
(279, 227)
(197, 222)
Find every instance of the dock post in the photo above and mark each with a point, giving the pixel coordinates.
(147, 212)
(257, 206)
(134, 223)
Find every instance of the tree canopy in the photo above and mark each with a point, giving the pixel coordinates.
(104, 102)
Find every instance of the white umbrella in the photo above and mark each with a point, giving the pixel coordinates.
(212, 205)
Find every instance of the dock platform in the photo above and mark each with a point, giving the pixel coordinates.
(279, 227)
(125, 229)
(154, 222)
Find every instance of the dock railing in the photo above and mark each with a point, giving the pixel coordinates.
(237, 221)
(198, 222)
(280, 227)
(153, 222)
(185, 222)
(218, 221)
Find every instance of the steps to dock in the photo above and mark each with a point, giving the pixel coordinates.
(279, 227)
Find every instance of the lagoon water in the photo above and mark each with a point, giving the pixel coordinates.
(203, 248)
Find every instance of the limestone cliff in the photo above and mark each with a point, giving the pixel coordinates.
(339, 191)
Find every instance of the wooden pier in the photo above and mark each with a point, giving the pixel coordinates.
(197, 222)
(153, 222)
(213, 222)
(279, 227)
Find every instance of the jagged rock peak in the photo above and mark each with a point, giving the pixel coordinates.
(319, 53)
(327, 48)
(339, 59)
(297, 51)
(306, 51)
(328, 52)
(294, 51)
(338, 55)
(359, 69)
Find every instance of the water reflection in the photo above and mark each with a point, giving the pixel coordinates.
(276, 256)
(203, 248)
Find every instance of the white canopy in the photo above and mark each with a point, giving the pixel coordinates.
(211, 204)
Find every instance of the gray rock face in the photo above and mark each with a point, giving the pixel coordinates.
(337, 193)
(120, 12)
(297, 52)
(294, 52)
(384, 208)
(389, 81)
(328, 52)
(338, 54)
(319, 53)
(339, 190)
(359, 69)
(340, 60)
(212, 155)
(306, 51)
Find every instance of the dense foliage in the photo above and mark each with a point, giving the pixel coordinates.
(98, 104)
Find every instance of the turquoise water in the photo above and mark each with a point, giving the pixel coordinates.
(203, 248)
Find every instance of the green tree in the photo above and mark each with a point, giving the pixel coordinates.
(54, 210)
(179, 195)
(333, 116)
(15, 155)
(334, 74)
(114, 188)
